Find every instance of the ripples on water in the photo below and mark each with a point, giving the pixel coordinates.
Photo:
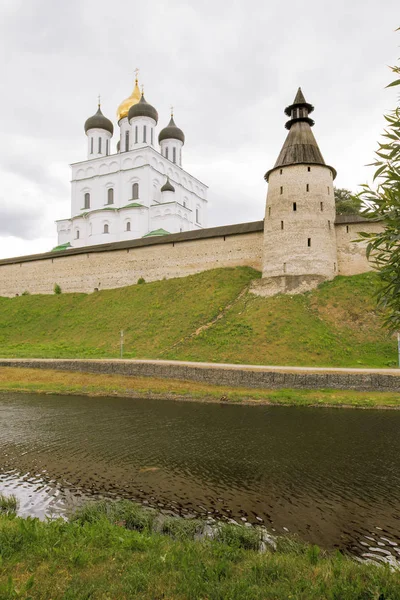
(332, 476)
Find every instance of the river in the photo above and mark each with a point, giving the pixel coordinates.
(330, 475)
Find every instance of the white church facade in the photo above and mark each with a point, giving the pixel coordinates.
(140, 190)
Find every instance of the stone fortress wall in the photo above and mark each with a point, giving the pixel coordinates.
(178, 255)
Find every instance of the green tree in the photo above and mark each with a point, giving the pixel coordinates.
(346, 202)
(383, 204)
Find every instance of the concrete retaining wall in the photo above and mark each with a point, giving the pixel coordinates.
(229, 375)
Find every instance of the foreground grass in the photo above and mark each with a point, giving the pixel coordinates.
(122, 551)
(64, 382)
(207, 317)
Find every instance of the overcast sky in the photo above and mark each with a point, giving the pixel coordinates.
(229, 69)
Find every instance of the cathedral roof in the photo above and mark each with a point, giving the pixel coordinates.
(168, 187)
(99, 121)
(171, 131)
(300, 146)
(125, 105)
(143, 109)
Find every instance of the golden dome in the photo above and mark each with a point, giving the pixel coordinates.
(125, 105)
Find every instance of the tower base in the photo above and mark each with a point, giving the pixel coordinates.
(285, 284)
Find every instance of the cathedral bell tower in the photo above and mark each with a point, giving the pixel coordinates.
(299, 248)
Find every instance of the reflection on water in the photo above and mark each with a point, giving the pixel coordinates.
(332, 476)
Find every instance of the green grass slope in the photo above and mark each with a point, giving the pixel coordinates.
(207, 317)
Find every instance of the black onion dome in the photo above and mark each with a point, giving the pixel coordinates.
(143, 109)
(99, 121)
(171, 131)
(168, 187)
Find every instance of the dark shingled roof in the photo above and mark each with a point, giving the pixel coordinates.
(143, 109)
(168, 187)
(171, 132)
(300, 146)
(172, 238)
(99, 121)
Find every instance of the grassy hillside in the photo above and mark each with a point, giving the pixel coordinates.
(207, 317)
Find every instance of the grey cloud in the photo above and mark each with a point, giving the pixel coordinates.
(20, 221)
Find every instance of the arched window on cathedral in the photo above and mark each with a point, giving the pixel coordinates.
(128, 226)
(126, 141)
(197, 215)
(106, 230)
(77, 234)
(99, 145)
(174, 155)
(91, 145)
(136, 134)
(107, 147)
(110, 196)
(135, 191)
(166, 152)
(87, 200)
(144, 134)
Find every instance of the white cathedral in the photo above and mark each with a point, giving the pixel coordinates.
(137, 191)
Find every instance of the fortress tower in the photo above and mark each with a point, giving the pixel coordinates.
(299, 249)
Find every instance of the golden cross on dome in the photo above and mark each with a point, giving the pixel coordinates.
(172, 110)
(98, 99)
(142, 89)
(136, 74)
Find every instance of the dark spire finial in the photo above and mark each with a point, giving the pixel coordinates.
(299, 110)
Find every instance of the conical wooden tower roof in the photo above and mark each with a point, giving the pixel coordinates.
(300, 146)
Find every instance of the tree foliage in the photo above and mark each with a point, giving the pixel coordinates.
(346, 202)
(383, 204)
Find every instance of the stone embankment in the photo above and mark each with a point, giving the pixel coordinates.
(249, 376)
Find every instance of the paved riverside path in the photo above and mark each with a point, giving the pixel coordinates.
(250, 376)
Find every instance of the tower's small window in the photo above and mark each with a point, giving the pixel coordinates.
(281, 189)
(107, 147)
(347, 229)
(174, 155)
(110, 196)
(308, 169)
(166, 152)
(294, 206)
(197, 216)
(280, 172)
(329, 190)
(99, 145)
(334, 267)
(91, 145)
(307, 188)
(284, 267)
(152, 136)
(135, 191)
(128, 226)
(281, 224)
(87, 200)
(77, 234)
(269, 211)
(329, 224)
(144, 133)
(322, 206)
(106, 228)
(126, 141)
(309, 242)
(184, 203)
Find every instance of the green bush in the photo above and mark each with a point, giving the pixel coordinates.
(57, 289)
(8, 505)
(141, 280)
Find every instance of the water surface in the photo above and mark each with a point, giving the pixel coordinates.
(330, 475)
